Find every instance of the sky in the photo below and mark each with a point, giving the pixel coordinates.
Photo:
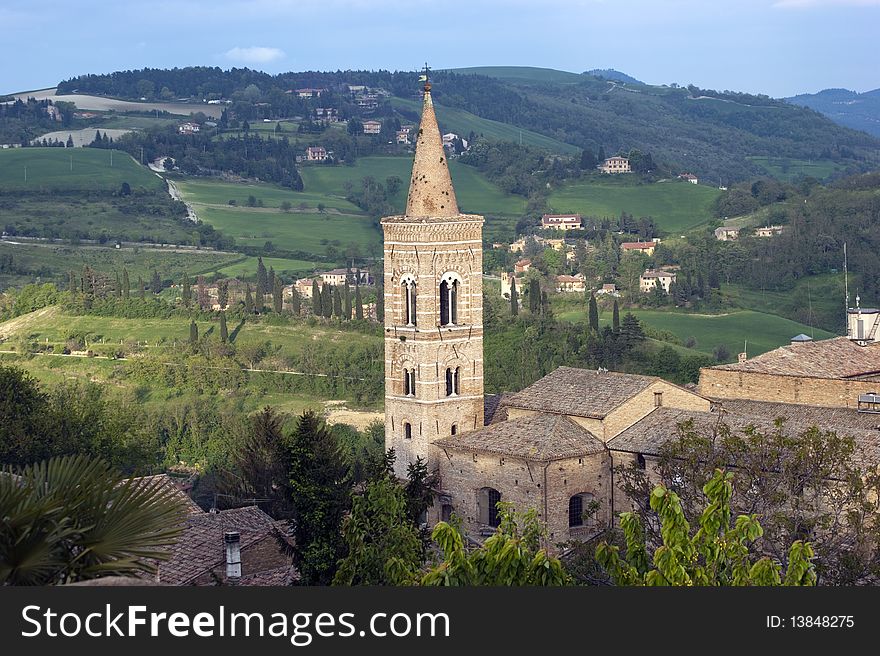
(775, 47)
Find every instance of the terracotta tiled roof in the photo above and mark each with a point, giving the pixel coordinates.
(164, 483)
(536, 437)
(650, 433)
(493, 408)
(579, 392)
(838, 357)
(201, 547)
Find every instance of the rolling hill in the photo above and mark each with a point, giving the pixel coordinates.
(860, 111)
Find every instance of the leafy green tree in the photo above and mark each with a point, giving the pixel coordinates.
(358, 303)
(155, 283)
(286, 206)
(23, 410)
(224, 330)
(593, 314)
(514, 298)
(631, 331)
(74, 518)
(717, 554)
(72, 284)
(320, 483)
(383, 545)
(510, 556)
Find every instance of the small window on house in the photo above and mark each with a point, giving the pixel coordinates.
(487, 506)
(576, 511)
(454, 429)
(446, 512)
(407, 430)
(658, 399)
(640, 461)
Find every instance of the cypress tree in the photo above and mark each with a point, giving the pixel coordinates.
(327, 300)
(295, 303)
(346, 301)
(262, 276)
(358, 303)
(193, 333)
(156, 283)
(72, 285)
(270, 281)
(534, 297)
(186, 291)
(258, 298)
(337, 302)
(380, 297)
(118, 288)
(126, 285)
(224, 331)
(594, 314)
(141, 291)
(601, 156)
(248, 300)
(317, 308)
(615, 318)
(223, 294)
(277, 295)
(514, 298)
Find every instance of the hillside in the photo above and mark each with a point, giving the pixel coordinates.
(715, 135)
(860, 111)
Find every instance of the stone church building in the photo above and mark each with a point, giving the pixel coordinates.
(553, 445)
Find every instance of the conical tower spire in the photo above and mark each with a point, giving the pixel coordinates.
(430, 188)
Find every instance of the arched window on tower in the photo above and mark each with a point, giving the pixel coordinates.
(408, 288)
(409, 382)
(449, 289)
(453, 381)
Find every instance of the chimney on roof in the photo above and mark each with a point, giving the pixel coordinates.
(232, 540)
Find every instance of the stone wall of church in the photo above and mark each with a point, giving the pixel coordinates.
(835, 393)
(544, 486)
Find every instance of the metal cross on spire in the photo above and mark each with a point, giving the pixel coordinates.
(424, 77)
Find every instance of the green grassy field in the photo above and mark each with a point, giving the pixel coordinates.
(53, 325)
(213, 192)
(474, 193)
(296, 231)
(763, 331)
(54, 262)
(787, 169)
(677, 206)
(72, 168)
(463, 123)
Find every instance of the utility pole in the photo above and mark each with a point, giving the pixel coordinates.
(25, 174)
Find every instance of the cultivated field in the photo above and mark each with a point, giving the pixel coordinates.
(81, 169)
(102, 104)
(676, 206)
(788, 170)
(80, 137)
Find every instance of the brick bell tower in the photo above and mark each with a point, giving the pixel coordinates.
(433, 309)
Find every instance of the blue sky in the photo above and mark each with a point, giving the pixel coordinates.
(777, 47)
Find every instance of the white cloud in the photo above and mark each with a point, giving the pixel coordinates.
(254, 55)
(802, 4)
